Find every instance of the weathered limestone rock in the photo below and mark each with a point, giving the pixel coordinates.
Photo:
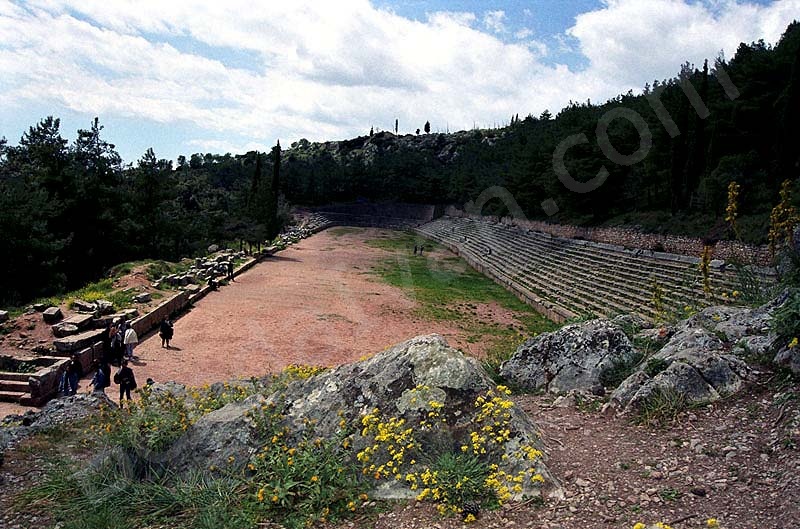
(63, 329)
(3, 316)
(39, 307)
(789, 358)
(125, 315)
(83, 306)
(213, 248)
(52, 315)
(81, 321)
(103, 306)
(698, 363)
(76, 342)
(145, 297)
(574, 357)
(400, 382)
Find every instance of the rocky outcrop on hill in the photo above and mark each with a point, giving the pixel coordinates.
(14, 428)
(575, 357)
(445, 148)
(704, 359)
(407, 382)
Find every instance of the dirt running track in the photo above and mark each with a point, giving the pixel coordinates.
(314, 303)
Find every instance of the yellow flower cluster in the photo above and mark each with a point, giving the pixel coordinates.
(705, 267)
(783, 219)
(657, 525)
(393, 437)
(302, 372)
(732, 209)
(394, 441)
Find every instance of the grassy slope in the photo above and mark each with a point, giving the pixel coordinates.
(448, 289)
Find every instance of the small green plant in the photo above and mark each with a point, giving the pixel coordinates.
(654, 366)
(661, 407)
(613, 377)
(670, 494)
(786, 320)
(657, 299)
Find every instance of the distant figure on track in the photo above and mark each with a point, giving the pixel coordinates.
(126, 380)
(165, 332)
(230, 271)
(130, 341)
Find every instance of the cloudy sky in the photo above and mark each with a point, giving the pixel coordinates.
(185, 76)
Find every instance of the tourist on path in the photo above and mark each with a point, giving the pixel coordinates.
(165, 332)
(230, 271)
(72, 374)
(117, 347)
(130, 341)
(102, 377)
(126, 380)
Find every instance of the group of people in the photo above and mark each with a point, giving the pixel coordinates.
(119, 340)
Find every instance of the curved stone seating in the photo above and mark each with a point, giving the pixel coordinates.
(575, 277)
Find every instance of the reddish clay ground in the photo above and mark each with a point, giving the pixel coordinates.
(315, 303)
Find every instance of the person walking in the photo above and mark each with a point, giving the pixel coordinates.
(72, 374)
(126, 380)
(165, 332)
(130, 341)
(230, 271)
(117, 347)
(102, 376)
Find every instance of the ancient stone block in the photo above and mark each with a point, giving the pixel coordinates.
(103, 306)
(81, 321)
(144, 297)
(63, 329)
(76, 342)
(3, 316)
(83, 306)
(52, 315)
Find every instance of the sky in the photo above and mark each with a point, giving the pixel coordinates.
(187, 76)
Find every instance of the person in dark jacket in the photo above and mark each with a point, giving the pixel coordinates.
(126, 380)
(102, 376)
(74, 372)
(117, 347)
(165, 332)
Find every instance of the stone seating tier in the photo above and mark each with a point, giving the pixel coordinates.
(581, 276)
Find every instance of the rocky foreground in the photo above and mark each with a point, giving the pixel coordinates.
(732, 453)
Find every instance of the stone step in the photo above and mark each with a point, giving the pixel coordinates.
(619, 273)
(12, 396)
(69, 344)
(81, 321)
(19, 377)
(13, 385)
(598, 278)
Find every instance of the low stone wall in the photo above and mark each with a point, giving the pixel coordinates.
(629, 238)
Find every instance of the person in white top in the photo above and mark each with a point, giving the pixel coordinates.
(130, 341)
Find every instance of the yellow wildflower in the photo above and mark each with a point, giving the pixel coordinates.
(712, 523)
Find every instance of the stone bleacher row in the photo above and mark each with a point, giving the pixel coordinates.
(565, 278)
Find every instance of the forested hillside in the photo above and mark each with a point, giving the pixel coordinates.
(752, 139)
(71, 210)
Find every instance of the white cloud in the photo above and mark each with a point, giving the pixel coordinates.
(523, 33)
(494, 21)
(631, 41)
(331, 70)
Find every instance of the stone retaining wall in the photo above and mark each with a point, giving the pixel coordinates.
(630, 238)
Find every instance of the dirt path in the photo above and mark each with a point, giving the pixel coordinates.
(314, 303)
